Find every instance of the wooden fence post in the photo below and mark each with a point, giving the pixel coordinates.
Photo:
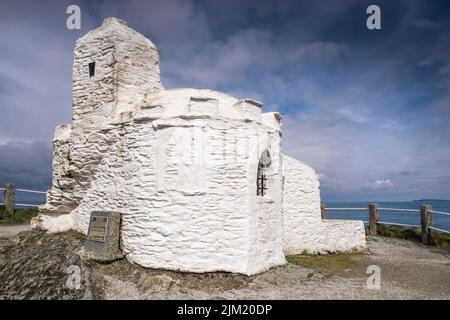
(323, 211)
(425, 222)
(9, 197)
(373, 218)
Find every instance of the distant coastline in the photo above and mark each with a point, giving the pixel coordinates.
(422, 200)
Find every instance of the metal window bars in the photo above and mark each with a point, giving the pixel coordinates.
(261, 181)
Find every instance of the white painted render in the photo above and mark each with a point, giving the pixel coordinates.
(181, 166)
(303, 228)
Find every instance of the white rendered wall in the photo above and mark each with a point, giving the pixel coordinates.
(126, 68)
(181, 166)
(303, 228)
(266, 223)
(186, 184)
(58, 198)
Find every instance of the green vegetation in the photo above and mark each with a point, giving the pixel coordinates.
(327, 262)
(440, 240)
(90, 263)
(20, 215)
(399, 232)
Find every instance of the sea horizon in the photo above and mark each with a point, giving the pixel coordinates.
(404, 217)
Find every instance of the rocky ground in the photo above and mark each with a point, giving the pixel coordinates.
(8, 231)
(34, 265)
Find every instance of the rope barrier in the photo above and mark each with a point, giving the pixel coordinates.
(440, 212)
(400, 210)
(26, 205)
(396, 209)
(23, 204)
(439, 230)
(345, 208)
(26, 190)
(32, 191)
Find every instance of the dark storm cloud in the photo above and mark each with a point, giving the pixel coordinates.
(362, 107)
(28, 165)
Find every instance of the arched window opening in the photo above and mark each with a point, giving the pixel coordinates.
(261, 176)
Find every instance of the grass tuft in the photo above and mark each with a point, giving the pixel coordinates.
(440, 240)
(20, 215)
(328, 262)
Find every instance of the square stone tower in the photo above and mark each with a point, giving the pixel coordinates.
(113, 66)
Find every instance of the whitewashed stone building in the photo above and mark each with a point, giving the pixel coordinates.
(197, 174)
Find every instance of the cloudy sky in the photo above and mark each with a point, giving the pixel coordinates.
(368, 109)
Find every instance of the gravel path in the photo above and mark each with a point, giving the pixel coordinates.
(34, 265)
(408, 271)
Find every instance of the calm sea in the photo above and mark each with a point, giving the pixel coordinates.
(27, 198)
(404, 217)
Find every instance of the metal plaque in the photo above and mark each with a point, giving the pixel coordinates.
(97, 228)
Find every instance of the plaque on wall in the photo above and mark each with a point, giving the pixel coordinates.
(97, 228)
(103, 238)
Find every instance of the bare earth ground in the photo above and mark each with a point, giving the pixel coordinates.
(33, 265)
(7, 231)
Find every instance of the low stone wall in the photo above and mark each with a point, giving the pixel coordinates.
(303, 228)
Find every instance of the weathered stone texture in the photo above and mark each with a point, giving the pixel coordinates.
(34, 265)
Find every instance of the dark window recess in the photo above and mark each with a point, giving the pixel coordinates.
(261, 175)
(91, 69)
(261, 181)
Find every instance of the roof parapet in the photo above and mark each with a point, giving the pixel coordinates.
(249, 108)
(272, 119)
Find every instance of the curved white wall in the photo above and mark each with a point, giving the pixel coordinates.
(182, 171)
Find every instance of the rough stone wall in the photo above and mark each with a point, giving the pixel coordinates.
(303, 228)
(110, 188)
(58, 198)
(126, 67)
